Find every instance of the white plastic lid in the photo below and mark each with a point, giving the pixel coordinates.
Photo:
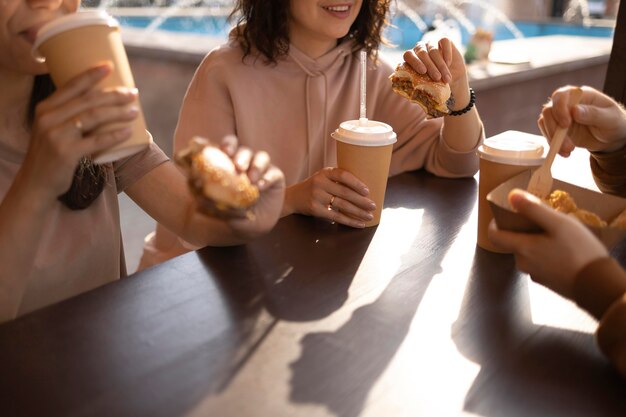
(365, 133)
(513, 147)
(69, 22)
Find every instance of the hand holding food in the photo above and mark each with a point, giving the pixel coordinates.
(220, 189)
(554, 256)
(442, 62)
(431, 95)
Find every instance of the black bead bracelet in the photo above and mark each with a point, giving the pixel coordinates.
(468, 107)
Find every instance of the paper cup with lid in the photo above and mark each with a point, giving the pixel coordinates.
(502, 157)
(76, 42)
(364, 149)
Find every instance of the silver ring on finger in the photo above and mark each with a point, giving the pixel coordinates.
(330, 203)
(78, 124)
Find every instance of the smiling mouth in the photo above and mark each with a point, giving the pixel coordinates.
(337, 9)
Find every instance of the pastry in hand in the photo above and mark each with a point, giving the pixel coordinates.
(220, 190)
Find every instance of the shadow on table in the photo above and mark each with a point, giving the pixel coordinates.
(528, 369)
(278, 277)
(338, 369)
(306, 266)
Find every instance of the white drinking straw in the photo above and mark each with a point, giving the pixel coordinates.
(363, 117)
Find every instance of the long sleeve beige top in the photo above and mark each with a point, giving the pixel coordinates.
(289, 110)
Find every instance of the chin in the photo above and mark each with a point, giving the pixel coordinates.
(340, 34)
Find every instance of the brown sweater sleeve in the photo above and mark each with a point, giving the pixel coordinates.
(600, 288)
(609, 171)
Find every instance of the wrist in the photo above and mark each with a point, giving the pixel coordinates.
(288, 202)
(463, 104)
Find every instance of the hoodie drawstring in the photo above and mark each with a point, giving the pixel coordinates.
(307, 97)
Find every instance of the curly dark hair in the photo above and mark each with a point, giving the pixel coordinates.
(264, 25)
(89, 179)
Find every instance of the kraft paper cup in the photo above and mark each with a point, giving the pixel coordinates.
(364, 149)
(74, 43)
(502, 157)
(606, 206)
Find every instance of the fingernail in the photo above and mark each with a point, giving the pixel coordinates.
(360, 225)
(132, 111)
(369, 216)
(365, 191)
(371, 205)
(103, 69)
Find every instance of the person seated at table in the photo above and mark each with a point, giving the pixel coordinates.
(567, 257)
(290, 74)
(59, 214)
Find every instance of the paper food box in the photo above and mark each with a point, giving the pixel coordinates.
(606, 206)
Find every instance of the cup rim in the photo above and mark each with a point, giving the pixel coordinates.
(351, 131)
(513, 148)
(69, 22)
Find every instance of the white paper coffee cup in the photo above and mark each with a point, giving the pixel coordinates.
(364, 149)
(502, 157)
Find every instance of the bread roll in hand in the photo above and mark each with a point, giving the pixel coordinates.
(220, 190)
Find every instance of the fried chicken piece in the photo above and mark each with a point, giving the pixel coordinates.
(588, 218)
(561, 201)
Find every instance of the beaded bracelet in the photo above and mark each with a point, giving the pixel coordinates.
(468, 107)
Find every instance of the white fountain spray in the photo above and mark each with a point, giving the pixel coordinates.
(413, 16)
(170, 11)
(575, 6)
(495, 12)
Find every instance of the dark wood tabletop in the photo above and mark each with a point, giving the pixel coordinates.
(408, 318)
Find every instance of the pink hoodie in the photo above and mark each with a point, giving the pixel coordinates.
(290, 109)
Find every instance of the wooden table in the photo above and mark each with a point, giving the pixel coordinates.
(315, 319)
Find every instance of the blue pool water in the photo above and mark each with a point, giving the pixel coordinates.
(403, 34)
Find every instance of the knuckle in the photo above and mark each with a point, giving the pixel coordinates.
(317, 181)
(93, 114)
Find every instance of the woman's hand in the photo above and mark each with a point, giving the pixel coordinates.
(267, 177)
(442, 61)
(66, 128)
(598, 123)
(554, 257)
(333, 194)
